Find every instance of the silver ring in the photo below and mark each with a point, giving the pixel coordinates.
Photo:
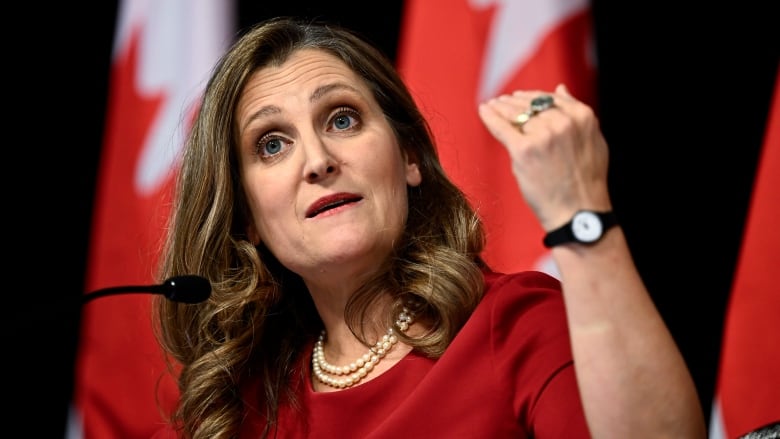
(541, 103)
(538, 105)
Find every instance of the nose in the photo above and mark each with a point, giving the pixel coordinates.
(320, 163)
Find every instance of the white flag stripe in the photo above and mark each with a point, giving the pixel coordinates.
(180, 41)
(517, 29)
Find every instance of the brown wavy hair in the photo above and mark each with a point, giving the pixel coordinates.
(260, 316)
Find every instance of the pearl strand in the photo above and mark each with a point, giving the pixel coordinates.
(347, 376)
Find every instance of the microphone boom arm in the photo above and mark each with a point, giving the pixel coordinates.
(186, 289)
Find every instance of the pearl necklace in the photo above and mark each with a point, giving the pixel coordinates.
(347, 376)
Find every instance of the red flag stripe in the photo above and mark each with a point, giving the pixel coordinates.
(748, 380)
(154, 88)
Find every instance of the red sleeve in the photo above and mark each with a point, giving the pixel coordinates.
(558, 411)
(532, 351)
(166, 432)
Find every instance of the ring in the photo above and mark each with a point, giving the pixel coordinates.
(541, 103)
(538, 105)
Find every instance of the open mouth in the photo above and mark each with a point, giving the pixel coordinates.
(329, 203)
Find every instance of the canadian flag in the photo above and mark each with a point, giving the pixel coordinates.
(747, 396)
(162, 55)
(455, 53)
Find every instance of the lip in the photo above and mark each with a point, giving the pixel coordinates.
(337, 199)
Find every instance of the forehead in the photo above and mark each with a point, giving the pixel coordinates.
(304, 70)
(308, 76)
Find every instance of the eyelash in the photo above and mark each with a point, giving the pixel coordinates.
(339, 114)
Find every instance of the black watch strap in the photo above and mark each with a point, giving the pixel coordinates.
(566, 233)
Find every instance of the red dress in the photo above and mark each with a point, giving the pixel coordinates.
(508, 374)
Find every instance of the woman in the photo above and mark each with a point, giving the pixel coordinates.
(349, 297)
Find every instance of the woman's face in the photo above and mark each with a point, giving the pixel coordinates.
(324, 175)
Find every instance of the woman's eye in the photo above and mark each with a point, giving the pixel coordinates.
(269, 146)
(345, 119)
(342, 122)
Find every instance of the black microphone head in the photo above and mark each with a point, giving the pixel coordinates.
(187, 289)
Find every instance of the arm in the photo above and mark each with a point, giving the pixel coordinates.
(632, 378)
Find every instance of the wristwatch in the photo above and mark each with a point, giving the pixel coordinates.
(585, 227)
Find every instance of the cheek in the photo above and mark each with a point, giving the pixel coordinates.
(264, 207)
(398, 195)
(264, 204)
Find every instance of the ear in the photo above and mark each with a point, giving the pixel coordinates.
(413, 174)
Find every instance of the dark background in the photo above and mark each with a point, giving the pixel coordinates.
(683, 93)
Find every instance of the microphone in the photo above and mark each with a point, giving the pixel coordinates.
(185, 289)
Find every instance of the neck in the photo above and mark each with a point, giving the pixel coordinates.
(343, 375)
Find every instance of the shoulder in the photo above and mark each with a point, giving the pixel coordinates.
(523, 288)
(528, 278)
(521, 331)
(166, 432)
(524, 311)
(519, 309)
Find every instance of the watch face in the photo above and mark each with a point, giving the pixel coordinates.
(586, 227)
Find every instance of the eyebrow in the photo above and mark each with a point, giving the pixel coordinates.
(318, 94)
(327, 88)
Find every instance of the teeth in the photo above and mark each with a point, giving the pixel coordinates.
(325, 207)
(330, 206)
